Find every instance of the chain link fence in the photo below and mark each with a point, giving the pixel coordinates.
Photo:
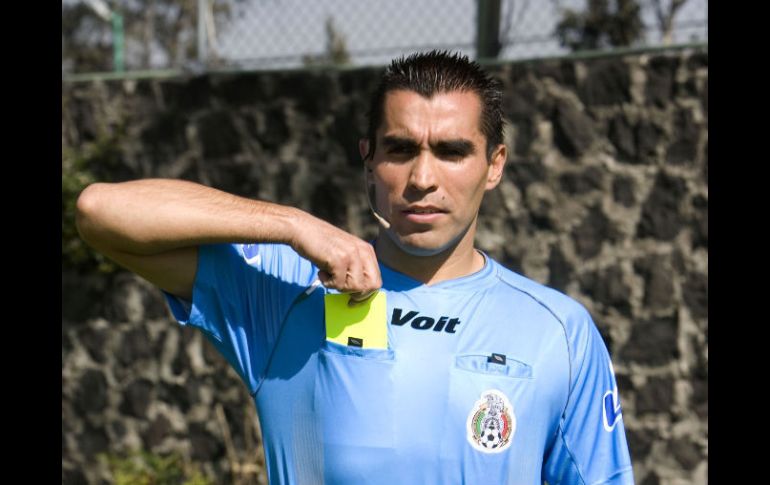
(277, 34)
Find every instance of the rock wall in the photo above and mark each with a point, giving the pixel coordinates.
(605, 197)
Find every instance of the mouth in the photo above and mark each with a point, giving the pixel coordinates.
(423, 214)
(423, 211)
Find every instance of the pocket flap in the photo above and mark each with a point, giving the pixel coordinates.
(479, 363)
(372, 354)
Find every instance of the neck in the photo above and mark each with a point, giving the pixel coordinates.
(460, 259)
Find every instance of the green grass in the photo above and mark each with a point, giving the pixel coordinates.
(145, 468)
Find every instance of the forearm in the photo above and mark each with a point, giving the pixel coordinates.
(151, 216)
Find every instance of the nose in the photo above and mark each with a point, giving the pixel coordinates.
(422, 176)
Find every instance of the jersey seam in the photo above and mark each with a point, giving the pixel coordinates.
(221, 341)
(563, 328)
(231, 355)
(571, 455)
(296, 300)
(563, 437)
(274, 348)
(614, 475)
(196, 320)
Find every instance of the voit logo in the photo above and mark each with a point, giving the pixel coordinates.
(422, 322)
(491, 423)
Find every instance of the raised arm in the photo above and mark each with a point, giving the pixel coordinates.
(154, 226)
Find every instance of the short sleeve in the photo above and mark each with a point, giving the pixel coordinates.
(590, 446)
(241, 296)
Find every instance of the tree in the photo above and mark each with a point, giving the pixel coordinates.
(605, 23)
(158, 33)
(86, 43)
(666, 18)
(336, 52)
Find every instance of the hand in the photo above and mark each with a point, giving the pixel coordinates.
(346, 263)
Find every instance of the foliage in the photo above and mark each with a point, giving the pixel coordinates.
(145, 468)
(76, 175)
(86, 42)
(605, 23)
(336, 52)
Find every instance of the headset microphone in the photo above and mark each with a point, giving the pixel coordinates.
(369, 196)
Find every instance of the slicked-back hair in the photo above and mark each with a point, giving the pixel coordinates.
(437, 72)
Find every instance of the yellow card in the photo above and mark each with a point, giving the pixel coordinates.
(362, 325)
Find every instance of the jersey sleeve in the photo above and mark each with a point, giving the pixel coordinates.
(240, 297)
(590, 447)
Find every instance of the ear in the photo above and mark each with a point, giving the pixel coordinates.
(363, 147)
(496, 165)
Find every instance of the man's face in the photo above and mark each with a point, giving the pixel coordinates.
(430, 169)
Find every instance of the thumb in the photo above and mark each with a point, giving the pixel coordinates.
(356, 298)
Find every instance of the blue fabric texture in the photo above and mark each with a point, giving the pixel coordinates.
(433, 408)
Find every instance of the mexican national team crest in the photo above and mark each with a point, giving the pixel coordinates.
(491, 422)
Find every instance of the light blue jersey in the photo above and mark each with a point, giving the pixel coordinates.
(489, 378)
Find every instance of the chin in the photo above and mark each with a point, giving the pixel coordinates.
(414, 246)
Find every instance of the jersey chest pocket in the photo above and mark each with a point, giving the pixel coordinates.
(483, 410)
(353, 395)
(480, 364)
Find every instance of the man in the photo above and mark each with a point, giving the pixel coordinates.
(484, 377)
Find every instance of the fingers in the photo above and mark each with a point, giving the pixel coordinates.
(354, 271)
(325, 277)
(345, 262)
(372, 278)
(357, 298)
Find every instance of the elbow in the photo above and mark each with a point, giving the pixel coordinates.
(86, 210)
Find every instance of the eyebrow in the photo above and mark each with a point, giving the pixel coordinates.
(460, 145)
(391, 141)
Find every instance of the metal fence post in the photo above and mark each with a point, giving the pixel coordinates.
(202, 54)
(488, 29)
(117, 41)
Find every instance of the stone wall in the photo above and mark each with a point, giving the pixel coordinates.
(605, 197)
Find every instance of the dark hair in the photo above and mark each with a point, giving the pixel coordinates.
(440, 72)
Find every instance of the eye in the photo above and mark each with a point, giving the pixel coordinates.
(453, 155)
(402, 152)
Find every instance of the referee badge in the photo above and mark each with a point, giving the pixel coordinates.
(491, 423)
